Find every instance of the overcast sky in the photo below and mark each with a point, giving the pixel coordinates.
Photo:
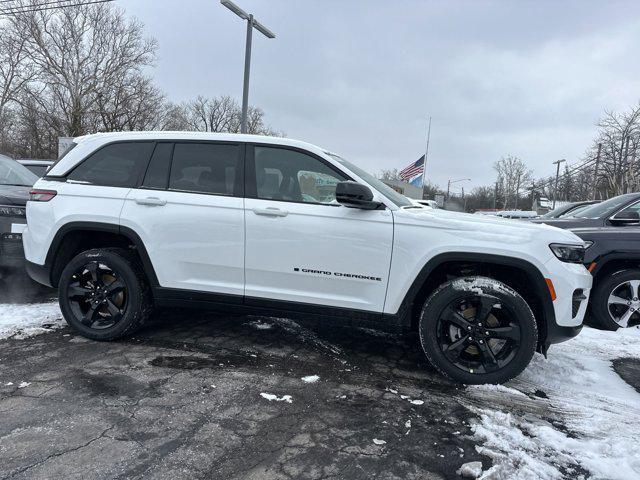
(361, 77)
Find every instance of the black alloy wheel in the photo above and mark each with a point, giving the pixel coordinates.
(97, 296)
(104, 294)
(478, 334)
(478, 330)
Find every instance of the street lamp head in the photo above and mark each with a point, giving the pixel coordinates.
(245, 16)
(264, 30)
(235, 9)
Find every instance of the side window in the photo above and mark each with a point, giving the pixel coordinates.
(157, 175)
(631, 208)
(287, 175)
(205, 168)
(116, 165)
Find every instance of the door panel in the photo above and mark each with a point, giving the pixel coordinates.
(195, 241)
(190, 216)
(319, 254)
(301, 246)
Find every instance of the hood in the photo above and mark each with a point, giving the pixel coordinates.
(608, 233)
(14, 195)
(482, 227)
(571, 222)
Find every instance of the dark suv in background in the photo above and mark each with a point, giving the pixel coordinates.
(612, 230)
(15, 183)
(620, 211)
(568, 210)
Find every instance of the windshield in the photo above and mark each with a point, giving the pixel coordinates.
(12, 173)
(606, 208)
(558, 212)
(575, 211)
(397, 198)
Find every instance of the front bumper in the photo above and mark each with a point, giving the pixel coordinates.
(572, 283)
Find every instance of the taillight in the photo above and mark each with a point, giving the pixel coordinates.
(36, 195)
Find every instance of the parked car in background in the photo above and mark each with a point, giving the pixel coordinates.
(426, 203)
(613, 258)
(15, 183)
(518, 214)
(130, 220)
(620, 211)
(568, 210)
(39, 167)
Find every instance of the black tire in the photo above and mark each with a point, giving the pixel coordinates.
(461, 349)
(104, 294)
(619, 284)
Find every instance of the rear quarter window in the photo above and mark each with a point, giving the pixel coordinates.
(115, 165)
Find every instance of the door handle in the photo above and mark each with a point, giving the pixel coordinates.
(270, 212)
(151, 201)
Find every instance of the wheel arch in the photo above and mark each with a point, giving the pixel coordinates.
(613, 262)
(75, 237)
(521, 275)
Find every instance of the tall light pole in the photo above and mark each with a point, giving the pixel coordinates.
(251, 24)
(555, 190)
(455, 181)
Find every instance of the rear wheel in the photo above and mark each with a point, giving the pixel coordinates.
(478, 330)
(615, 301)
(103, 294)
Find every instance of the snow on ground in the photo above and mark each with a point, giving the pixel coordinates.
(588, 427)
(21, 321)
(272, 397)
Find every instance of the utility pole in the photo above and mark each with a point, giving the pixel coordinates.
(517, 192)
(251, 24)
(495, 196)
(555, 190)
(595, 174)
(625, 170)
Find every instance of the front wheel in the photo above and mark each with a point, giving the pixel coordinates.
(615, 301)
(103, 293)
(478, 330)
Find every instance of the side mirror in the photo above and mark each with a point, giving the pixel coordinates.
(355, 195)
(626, 217)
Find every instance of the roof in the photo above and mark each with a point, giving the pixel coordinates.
(190, 135)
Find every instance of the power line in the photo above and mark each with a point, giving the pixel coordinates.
(43, 7)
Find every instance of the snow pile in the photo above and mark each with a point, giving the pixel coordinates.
(589, 422)
(21, 321)
(275, 398)
(310, 379)
(470, 470)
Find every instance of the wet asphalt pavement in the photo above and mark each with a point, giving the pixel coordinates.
(182, 399)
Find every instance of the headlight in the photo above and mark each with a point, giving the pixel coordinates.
(568, 253)
(12, 211)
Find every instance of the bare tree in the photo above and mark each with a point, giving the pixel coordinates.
(82, 54)
(513, 174)
(15, 73)
(222, 114)
(391, 174)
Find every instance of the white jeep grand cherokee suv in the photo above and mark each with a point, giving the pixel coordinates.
(126, 221)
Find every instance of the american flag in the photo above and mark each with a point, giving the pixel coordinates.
(412, 170)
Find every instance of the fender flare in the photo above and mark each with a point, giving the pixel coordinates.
(126, 232)
(603, 260)
(538, 282)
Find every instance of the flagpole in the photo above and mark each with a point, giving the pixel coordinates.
(426, 154)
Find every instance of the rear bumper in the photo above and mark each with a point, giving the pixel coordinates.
(39, 273)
